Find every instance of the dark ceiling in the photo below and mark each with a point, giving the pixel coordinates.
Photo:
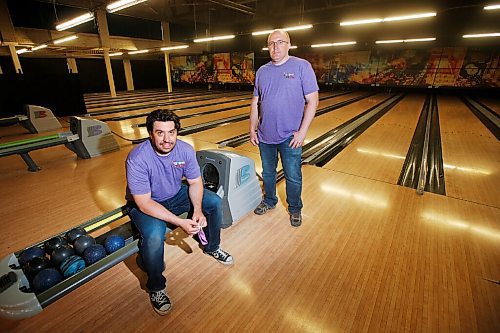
(190, 19)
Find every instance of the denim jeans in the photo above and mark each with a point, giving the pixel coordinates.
(291, 159)
(152, 232)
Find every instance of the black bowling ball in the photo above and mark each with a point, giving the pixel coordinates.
(30, 254)
(35, 265)
(82, 243)
(60, 254)
(54, 243)
(74, 233)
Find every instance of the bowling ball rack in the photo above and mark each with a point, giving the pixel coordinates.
(17, 298)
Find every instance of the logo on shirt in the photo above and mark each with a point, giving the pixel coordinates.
(289, 75)
(179, 164)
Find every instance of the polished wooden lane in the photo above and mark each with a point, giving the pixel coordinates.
(492, 103)
(379, 153)
(370, 257)
(328, 121)
(242, 127)
(470, 154)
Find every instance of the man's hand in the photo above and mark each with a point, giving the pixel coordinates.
(298, 139)
(191, 227)
(253, 138)
(199, 218)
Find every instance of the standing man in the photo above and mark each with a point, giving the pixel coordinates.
(284, 103)
(157, 196)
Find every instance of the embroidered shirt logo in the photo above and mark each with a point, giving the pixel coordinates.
(289, 75)
(179, 164)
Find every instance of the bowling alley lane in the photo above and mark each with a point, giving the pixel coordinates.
(328, 121)
(492, 103)
(379, 152)
(470, 154)
(241, 127)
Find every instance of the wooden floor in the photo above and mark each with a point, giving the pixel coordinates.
(371, 256)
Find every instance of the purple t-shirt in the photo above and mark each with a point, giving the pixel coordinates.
(281, 90)
(148, 172)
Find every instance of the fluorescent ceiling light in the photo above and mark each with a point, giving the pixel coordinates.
(21, 51)
(409, 17)
(333, 44)
(76, 21)
(201, 40)
(138, 52)
(389, 19)
(122, 4)
(494, 34)
(65, 39)
(178, 47)
(427, 39)
(115, 54)
(298, 27)
(39, 47)
(492, 7)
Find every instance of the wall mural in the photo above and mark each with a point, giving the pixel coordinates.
(438, 67)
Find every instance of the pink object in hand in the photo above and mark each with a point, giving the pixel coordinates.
(202, 237)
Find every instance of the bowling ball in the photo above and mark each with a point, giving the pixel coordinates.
(36, 265)
(72, 265)
(74, 233)
(46, 279)
(93, 254)
(54, 243)
(113, 243)
(29, 254)
(60, 254)
(83, 242)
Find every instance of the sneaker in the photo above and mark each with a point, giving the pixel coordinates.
(160, 301)
(262, 208)
(221, 256)
(295, 219)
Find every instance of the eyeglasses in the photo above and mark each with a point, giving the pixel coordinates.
(277, 43)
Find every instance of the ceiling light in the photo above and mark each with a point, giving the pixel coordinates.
(178, 47)
(375, 20)
(21, 51)
(298, 27)
(389, 19)
(201, 40)
(412, 40)
(76, 21)
(408, 17)
(492, 7)
(65, 39)
(115, 54)
(39, 47)
(333, 44)
(138, 52)
(494, 34)
(122, 4)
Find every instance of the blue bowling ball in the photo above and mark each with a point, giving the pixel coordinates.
(46, 279)
(83, 242)
(72, 265)
(60, 254)
(93, 254)
(53, 244)
(29, 254)
(113, 243)
(74, 233)
(36, 265)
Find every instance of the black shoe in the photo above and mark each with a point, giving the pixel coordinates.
(160, 301)
(296, 219)
(221, 256)
(262, 208)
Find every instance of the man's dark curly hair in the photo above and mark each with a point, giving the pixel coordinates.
(162, 115)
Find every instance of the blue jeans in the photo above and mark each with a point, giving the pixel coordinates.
(152, 232)
(291, 159)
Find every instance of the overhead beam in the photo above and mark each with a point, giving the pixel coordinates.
(235, 6)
